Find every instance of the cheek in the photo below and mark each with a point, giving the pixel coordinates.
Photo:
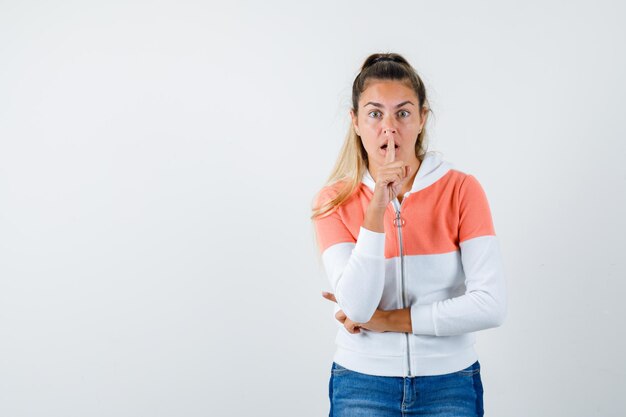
(370, 123)
(368, 144)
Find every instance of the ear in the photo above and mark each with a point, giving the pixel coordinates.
(355, 121)
(424, 117)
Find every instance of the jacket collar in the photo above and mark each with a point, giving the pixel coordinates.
(432, 168)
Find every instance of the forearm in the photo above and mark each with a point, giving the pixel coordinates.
(398, 321)
(374, 219)
(483, 305)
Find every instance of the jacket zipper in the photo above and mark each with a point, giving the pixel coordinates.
(399, 223)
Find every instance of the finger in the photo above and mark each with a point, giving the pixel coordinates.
(406, 176)
(395, 164)
(391, 150)
(329, 296)
(348, 327)
(395, 171)
(391, 165)
(353, 328)
(396, 178)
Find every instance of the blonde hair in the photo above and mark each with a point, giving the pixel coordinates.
(352, 162)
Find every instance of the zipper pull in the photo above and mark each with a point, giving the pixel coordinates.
(398, 221)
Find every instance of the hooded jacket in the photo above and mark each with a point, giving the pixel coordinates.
(439, 256)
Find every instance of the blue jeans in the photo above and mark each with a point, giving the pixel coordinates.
(354, 394)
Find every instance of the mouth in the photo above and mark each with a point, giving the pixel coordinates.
(385, 146)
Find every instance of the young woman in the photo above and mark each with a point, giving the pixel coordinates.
(409, 248)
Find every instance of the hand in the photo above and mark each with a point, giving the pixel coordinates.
(391, 177)
(378, 322)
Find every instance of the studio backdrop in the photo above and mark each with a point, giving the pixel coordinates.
(158, 162)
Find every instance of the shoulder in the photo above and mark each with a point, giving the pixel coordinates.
(326, 194)
(459, 175)
(331, 191)
(464, 181)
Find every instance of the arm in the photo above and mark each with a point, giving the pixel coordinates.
(391, 321)
(483, 305)
(382, 320)
(357, 270)
(355, 267)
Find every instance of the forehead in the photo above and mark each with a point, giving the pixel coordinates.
(387, 92)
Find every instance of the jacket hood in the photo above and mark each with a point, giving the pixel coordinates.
(432, 168)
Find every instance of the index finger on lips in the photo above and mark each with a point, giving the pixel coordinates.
(391, 150)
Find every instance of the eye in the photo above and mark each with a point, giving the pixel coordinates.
(404, 113)
(374, 111)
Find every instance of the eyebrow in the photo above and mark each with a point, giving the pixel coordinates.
(381, 106)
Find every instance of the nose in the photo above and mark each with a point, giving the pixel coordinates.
(388, 126)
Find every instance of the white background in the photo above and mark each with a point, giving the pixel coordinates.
(157, 165)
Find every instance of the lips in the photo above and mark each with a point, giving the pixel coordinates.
(385, 146)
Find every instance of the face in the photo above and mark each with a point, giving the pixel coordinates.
(388, 108)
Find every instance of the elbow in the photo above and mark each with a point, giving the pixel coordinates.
(498, 315)
(360, 315)
(360, 306)
(358, 312)
(492, 308)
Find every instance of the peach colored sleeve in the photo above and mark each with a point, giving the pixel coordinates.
(330, 229)
(474, 212)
